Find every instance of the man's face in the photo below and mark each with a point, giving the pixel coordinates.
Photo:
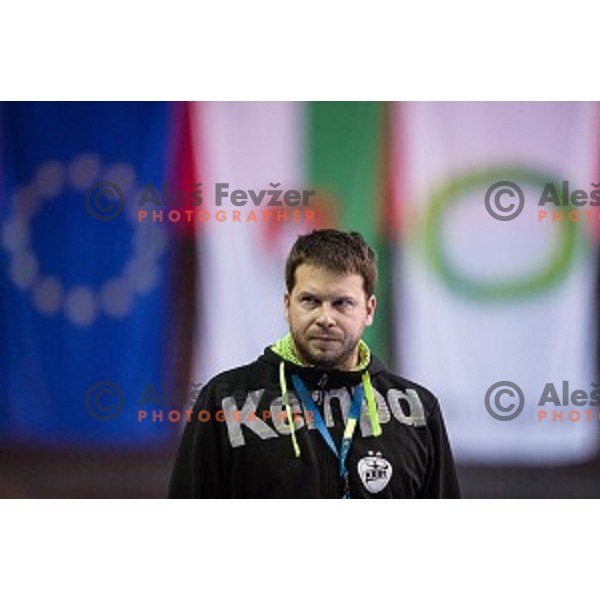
(327, 313)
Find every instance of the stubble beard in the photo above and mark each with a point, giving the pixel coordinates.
(335, 362)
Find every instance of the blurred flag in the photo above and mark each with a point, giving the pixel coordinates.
(83, 302)
(333, 149)
(486, 300)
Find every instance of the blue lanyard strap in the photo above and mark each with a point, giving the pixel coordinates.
(353, 414)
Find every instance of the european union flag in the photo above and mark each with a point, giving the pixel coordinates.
(83, 285)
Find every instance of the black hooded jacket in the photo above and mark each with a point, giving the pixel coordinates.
(237, 443)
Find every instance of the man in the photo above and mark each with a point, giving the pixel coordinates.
(317, 415)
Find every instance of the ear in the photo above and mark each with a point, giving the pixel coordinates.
(286, 306)
(371, 305)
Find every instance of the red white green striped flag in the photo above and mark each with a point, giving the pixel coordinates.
(333, 148)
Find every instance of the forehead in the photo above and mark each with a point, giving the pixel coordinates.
(319, 280)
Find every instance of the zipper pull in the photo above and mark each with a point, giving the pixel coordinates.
(321, 384)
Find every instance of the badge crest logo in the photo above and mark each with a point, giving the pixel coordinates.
(375, 472)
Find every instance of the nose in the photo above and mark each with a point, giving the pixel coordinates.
(325, 317)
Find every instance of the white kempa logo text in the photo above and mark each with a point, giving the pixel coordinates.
(375, 472)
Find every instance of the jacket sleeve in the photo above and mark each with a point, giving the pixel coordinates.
(200, 464)
(442, 479)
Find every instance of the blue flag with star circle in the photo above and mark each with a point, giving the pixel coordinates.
(83, 285)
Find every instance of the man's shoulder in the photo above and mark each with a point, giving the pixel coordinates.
(252, 373)
(386, 380)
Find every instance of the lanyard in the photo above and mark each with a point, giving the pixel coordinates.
(308, 402)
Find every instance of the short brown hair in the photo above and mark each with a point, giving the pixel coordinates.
(344, 252)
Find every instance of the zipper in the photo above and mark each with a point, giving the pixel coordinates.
(321, 385)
